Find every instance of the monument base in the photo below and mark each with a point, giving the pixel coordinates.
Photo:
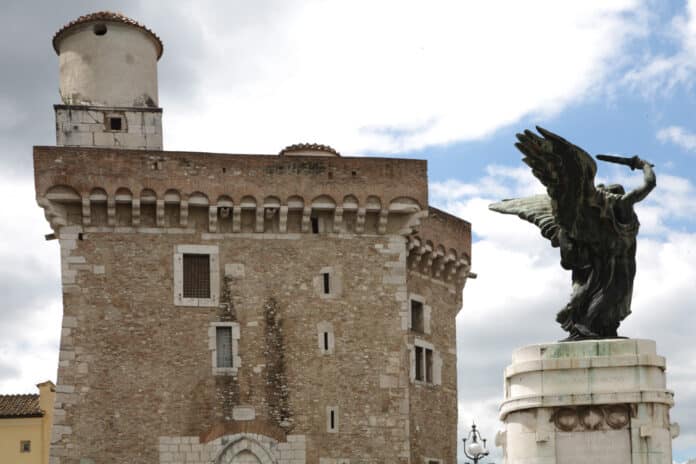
(593, 401)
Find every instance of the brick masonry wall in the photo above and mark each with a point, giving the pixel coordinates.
(136, 379)
(134, 367)
(433, 417)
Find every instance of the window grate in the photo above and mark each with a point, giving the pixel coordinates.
(223, 337)
(196, 276)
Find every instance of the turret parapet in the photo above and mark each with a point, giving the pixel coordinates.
(99, 18)
(130, 191)
(440, 248)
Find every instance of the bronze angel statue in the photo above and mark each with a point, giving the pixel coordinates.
(595, 228)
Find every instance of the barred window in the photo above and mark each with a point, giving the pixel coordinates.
(223, 338)
(196, 276)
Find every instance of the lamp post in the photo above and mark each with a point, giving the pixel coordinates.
(476, 449)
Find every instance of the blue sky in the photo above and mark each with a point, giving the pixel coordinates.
(450, 82)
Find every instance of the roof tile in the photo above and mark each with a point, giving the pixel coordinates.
(20, 406)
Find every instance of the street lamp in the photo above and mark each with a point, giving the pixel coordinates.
(476, 449)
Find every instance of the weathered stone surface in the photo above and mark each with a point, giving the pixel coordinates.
(139, 367)
(590, 401)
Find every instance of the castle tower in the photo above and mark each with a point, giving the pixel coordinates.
(289, 309)
(108, 83)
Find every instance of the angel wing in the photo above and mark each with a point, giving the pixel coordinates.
(568, 173)
(536, 209)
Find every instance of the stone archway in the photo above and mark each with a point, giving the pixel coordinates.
(245, 450)
(245, 457)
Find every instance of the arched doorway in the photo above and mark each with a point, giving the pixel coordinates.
(245, 457)
(245, 450)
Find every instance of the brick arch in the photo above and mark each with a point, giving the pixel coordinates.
(245, 445)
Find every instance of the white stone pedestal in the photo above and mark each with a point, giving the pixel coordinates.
(595, 401)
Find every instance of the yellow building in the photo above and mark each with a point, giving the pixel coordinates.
(25, 426)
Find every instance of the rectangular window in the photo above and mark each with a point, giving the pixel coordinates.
(315, 224)
(25, 446)
(419, 363)
(326, 283)
(424, 366)
(223, 339)
(196, 276)
(417, 316)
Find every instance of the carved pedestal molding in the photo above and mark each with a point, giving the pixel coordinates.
(599, 401)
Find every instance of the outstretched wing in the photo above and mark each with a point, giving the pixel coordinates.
(568, 173)
(536, 209)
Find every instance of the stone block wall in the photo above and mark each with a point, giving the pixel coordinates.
(137, 380)
(89, 126)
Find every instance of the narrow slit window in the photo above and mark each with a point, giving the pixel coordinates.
(326, 283)
(417, 316)
(315, 224)
(223, 338)
(428, 365)
(333, 420)
(326, 341)
(196, 276)
(419, 363)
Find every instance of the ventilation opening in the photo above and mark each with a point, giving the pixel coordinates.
(315, 224)
(99, 29)
(326, 282)
(115, 124)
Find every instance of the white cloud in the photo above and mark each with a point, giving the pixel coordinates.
(662, 73)
(31, 306)
(390, 76)
(679, 136)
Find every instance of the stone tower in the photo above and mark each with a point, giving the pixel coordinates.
(108, 83)
(290, 308)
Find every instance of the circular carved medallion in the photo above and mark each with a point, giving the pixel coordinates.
(592, 418)
(565, 419)
(617, 416)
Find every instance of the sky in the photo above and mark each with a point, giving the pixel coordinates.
(447, 81)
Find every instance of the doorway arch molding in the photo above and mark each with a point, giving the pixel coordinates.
(242, 443)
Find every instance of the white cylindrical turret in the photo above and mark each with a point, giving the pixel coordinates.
(107, 59)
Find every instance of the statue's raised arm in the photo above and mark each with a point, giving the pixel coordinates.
(595, 228)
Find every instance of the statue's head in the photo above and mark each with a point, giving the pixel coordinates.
(616, 189)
